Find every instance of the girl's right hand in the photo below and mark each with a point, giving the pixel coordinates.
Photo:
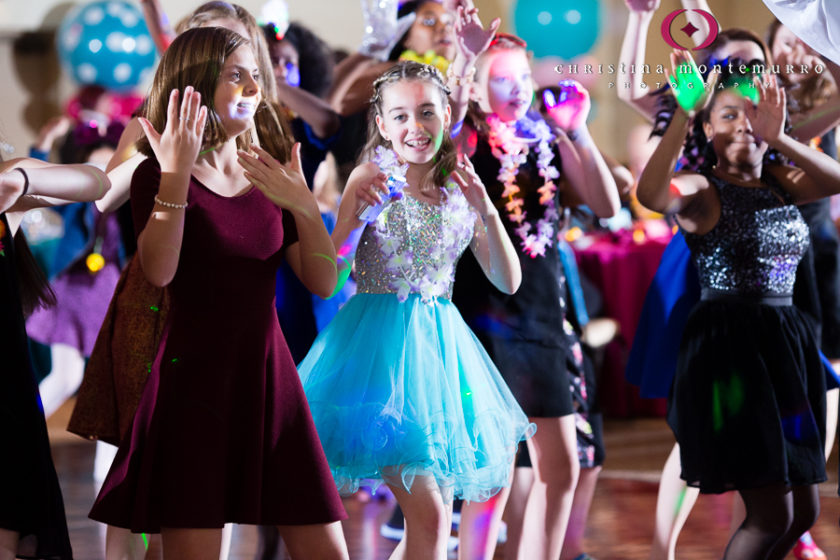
(687, 85)
(470, 36)
(177, 147)
(367, 184)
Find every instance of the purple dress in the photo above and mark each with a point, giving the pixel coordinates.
(223, 432)
(82, 296)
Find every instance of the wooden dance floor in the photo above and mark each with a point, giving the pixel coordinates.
(620, 523)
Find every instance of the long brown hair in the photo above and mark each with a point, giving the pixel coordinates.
(809, 93)
(195, 58)
(446, 157)
(270, 114)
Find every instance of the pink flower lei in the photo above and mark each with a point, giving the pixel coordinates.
(512, 151)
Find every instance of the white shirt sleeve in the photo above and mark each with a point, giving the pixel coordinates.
(813, 21)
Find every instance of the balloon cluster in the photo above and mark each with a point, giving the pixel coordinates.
(106, 42)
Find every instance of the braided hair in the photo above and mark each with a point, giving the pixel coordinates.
(446, 157)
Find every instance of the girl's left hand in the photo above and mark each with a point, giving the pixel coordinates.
(570, 108)
(768, 117)
(470, 34)
(284, 185)
(472, 187)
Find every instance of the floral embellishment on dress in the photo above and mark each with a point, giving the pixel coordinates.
(428, 270)
(509, 144)
(2, 235)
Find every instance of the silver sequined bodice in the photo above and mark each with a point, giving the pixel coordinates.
(413, 247)
(756, 245)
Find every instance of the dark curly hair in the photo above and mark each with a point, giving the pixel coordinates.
(315, 59)
(698, 153)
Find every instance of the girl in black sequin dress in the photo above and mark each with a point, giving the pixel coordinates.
(748, 402)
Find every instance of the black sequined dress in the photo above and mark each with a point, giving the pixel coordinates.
(748, 401)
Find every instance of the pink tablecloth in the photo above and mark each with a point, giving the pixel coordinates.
(622, 270)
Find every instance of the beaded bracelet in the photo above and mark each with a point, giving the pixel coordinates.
(170, 204)
(25, 181)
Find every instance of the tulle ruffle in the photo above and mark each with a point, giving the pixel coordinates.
(399, 390)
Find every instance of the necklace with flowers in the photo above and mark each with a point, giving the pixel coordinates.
(432, 274)
(509, 145)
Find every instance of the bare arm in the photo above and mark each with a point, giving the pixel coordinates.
(816, 174)
(471, 40)
(490, 244)
(589, 174)
(159, 243)
(48, 184)
(125, 160)
(158, 24)
(633, 55)
(823, 118)
(314, 111)
(353, 94)
(697, 20)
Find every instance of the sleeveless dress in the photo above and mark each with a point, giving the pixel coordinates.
(223, 410)
(398, 384)
(675, 289)
(748, 401)
(30, 497)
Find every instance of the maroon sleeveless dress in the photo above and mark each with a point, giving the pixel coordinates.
(223, 433)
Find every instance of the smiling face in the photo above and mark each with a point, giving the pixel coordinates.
(730, 131)
(504, 85)
(414, 118)
(238, 92)
(432, 30)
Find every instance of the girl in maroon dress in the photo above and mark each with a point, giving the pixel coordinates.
(223, 409)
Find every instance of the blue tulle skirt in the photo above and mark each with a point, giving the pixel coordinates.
(403, 389)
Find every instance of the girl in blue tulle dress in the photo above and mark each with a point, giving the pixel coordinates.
(400, 389)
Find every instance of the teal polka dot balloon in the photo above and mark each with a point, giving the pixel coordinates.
(106, 42)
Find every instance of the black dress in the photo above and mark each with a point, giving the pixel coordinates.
(528, 334)
(748, 400)
(522, 332)
(30, 497)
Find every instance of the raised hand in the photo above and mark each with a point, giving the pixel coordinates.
(471, 37)
(177, 147)
(642, 5)
(472, 187)
(284, 185)
(687, 84)
(570, 107)
(768, 116)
